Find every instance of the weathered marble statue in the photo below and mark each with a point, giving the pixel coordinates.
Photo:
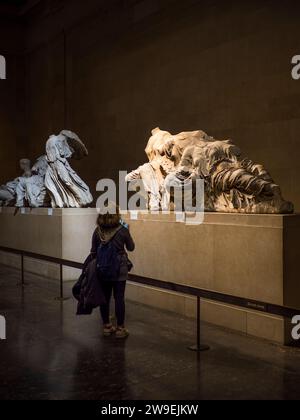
(8, 192)
(31, 191)
(232, 184)
(65, 187)
(51, 181)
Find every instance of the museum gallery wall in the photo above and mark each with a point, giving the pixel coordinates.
(115, 70)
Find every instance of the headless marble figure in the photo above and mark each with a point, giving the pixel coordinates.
(8, 192)
(31, 191)
(65, 187)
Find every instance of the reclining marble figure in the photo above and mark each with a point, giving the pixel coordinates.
(31, 191)
(232, 184)
(51, 181)
(8, 192)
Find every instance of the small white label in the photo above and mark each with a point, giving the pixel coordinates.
(134, 215)
(23, 210)
(50, 212)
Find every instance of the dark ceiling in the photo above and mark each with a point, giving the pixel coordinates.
(13, 2)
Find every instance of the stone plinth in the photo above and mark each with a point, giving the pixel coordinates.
(59, 233)
(251, 256)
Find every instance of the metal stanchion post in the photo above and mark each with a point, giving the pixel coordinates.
(22, 284)
(22, 270)
(61, 279)
(61, 298)
(198, 347)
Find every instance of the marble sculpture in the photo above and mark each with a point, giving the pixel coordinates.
(8, 192)
(233, 184)
(51, 181)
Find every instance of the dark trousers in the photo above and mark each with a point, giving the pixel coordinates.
(118, 288)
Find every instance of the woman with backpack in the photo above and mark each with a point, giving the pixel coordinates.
(110, 241)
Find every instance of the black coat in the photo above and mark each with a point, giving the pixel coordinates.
(88, 290)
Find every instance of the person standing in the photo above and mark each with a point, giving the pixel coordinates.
(110, 242)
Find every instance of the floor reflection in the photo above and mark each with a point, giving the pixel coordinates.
(52, 354)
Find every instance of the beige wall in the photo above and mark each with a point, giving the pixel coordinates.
(123, 67)
(251, 256)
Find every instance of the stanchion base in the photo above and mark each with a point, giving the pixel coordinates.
(60, 299)
(198, 349)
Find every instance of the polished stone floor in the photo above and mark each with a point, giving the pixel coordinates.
(51, 354)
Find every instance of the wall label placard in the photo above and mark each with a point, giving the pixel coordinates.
(257, 306)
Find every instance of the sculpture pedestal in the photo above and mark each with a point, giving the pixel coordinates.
(59, 233)
(251, 256)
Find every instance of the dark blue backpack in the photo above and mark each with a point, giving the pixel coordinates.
(108, 261)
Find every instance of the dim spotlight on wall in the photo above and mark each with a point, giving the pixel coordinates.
(2, 67)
